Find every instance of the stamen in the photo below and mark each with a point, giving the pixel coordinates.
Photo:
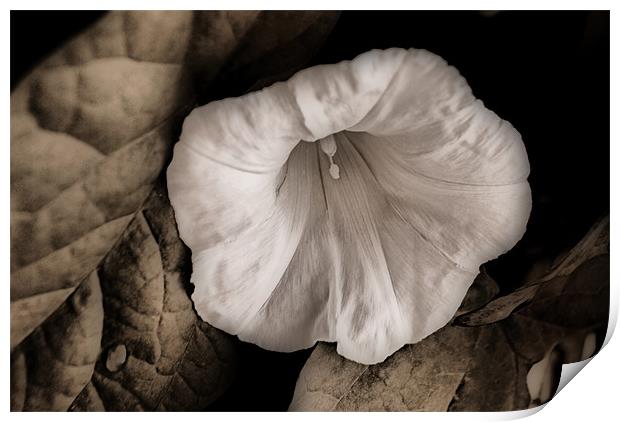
(328, 146)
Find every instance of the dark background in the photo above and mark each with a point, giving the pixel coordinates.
(545, 72)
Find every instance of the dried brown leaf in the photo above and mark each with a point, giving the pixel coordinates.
(91, 129)
(156, 353)
(426, 376)
(88, 400)
(57, 360)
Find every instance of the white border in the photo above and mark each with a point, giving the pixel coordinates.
(591, 396)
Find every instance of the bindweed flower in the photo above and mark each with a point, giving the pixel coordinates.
(353, 203)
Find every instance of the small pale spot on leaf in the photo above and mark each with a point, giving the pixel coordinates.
(117, 356)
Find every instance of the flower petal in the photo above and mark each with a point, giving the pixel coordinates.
(431, 185)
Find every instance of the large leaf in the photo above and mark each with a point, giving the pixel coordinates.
(156, 353)
(53, 365)
(479, 368)
(92, 128)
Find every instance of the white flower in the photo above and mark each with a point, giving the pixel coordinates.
(370, 232)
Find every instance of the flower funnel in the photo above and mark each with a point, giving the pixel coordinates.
(353, 203)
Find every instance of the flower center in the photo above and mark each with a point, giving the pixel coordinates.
(328, 146)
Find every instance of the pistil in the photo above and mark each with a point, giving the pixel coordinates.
(328, 146)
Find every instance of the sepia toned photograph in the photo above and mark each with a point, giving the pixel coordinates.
(306, 211)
